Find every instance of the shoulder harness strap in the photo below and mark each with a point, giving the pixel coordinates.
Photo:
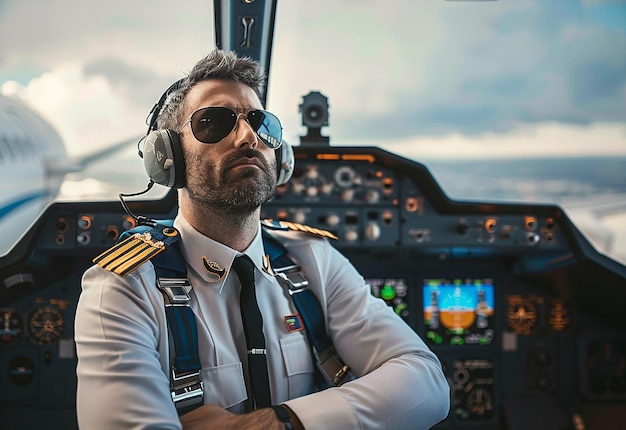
(186, 386)
(134, 248)
(333, 370)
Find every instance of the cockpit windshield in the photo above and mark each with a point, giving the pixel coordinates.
(503, 100)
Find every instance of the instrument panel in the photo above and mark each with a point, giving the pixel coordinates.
(524, 314)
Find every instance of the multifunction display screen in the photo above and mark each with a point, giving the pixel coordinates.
(459, 311)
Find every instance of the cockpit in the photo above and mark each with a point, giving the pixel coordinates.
(470, 157)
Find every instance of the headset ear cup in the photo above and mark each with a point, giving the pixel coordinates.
(163, 158)
(285, 162)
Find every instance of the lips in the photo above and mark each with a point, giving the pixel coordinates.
(246, 161)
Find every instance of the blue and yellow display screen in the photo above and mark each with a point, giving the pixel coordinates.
(459, 311)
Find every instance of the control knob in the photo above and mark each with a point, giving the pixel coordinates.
(372, 231)
(351, 236)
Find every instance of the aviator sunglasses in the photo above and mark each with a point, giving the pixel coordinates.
(212, 124)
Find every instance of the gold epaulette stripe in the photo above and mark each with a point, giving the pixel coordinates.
(282, 225)
(122, 252)
(130, 257)
(112, 253)
(307, 229)
(294, 226)
(127, 255)
(137, 259)
(326, 234)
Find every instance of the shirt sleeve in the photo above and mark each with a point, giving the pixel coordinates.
(400, 383)
(120, 339)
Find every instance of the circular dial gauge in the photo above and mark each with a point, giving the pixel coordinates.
(521, 314)
(10, 325)
(46, 324)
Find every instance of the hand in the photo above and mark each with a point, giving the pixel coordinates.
(215, 418)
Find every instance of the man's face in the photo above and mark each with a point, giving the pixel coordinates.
(238, 173)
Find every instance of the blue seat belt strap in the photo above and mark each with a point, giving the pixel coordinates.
(181, 321)
(333, 370)
(186, 386)
(309, 308)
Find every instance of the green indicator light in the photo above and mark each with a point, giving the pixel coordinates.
(438, 340)
(483, 341)
(431, 335)
(387, 292)
(456, 340)
(402, 306)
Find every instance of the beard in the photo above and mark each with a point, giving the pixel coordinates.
(236, 192)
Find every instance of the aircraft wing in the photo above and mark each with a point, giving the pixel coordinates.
(600, 206)
(76, 164)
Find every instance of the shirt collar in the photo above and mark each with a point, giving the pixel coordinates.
(199, 250)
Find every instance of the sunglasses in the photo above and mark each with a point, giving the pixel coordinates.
(212, 124)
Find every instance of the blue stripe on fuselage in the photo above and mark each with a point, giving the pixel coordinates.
(7, 209)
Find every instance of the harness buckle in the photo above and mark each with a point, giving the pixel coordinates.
(332, 367)
(176, 290)
(292, 277)
(187, 389)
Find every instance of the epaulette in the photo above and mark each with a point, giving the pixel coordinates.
(294, 226)
(139, 247)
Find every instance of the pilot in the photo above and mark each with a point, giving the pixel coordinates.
(377, 372)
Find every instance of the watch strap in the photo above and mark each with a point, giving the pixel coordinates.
(283, 415)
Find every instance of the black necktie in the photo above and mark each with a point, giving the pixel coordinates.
(253, 329)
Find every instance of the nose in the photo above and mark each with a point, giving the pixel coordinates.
(244, 133)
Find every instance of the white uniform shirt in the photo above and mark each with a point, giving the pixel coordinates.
(123, 356)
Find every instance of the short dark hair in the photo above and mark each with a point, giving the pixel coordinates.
(218, 64)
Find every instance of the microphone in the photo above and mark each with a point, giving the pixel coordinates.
(140, 219)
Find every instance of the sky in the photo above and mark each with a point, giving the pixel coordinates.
(426, 79)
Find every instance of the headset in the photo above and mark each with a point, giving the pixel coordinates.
(163, 155)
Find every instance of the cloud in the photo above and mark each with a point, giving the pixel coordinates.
(83, 109)
(405, 70)
(549, 139)
(494, 68)
(69, 27)
(138, 84)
